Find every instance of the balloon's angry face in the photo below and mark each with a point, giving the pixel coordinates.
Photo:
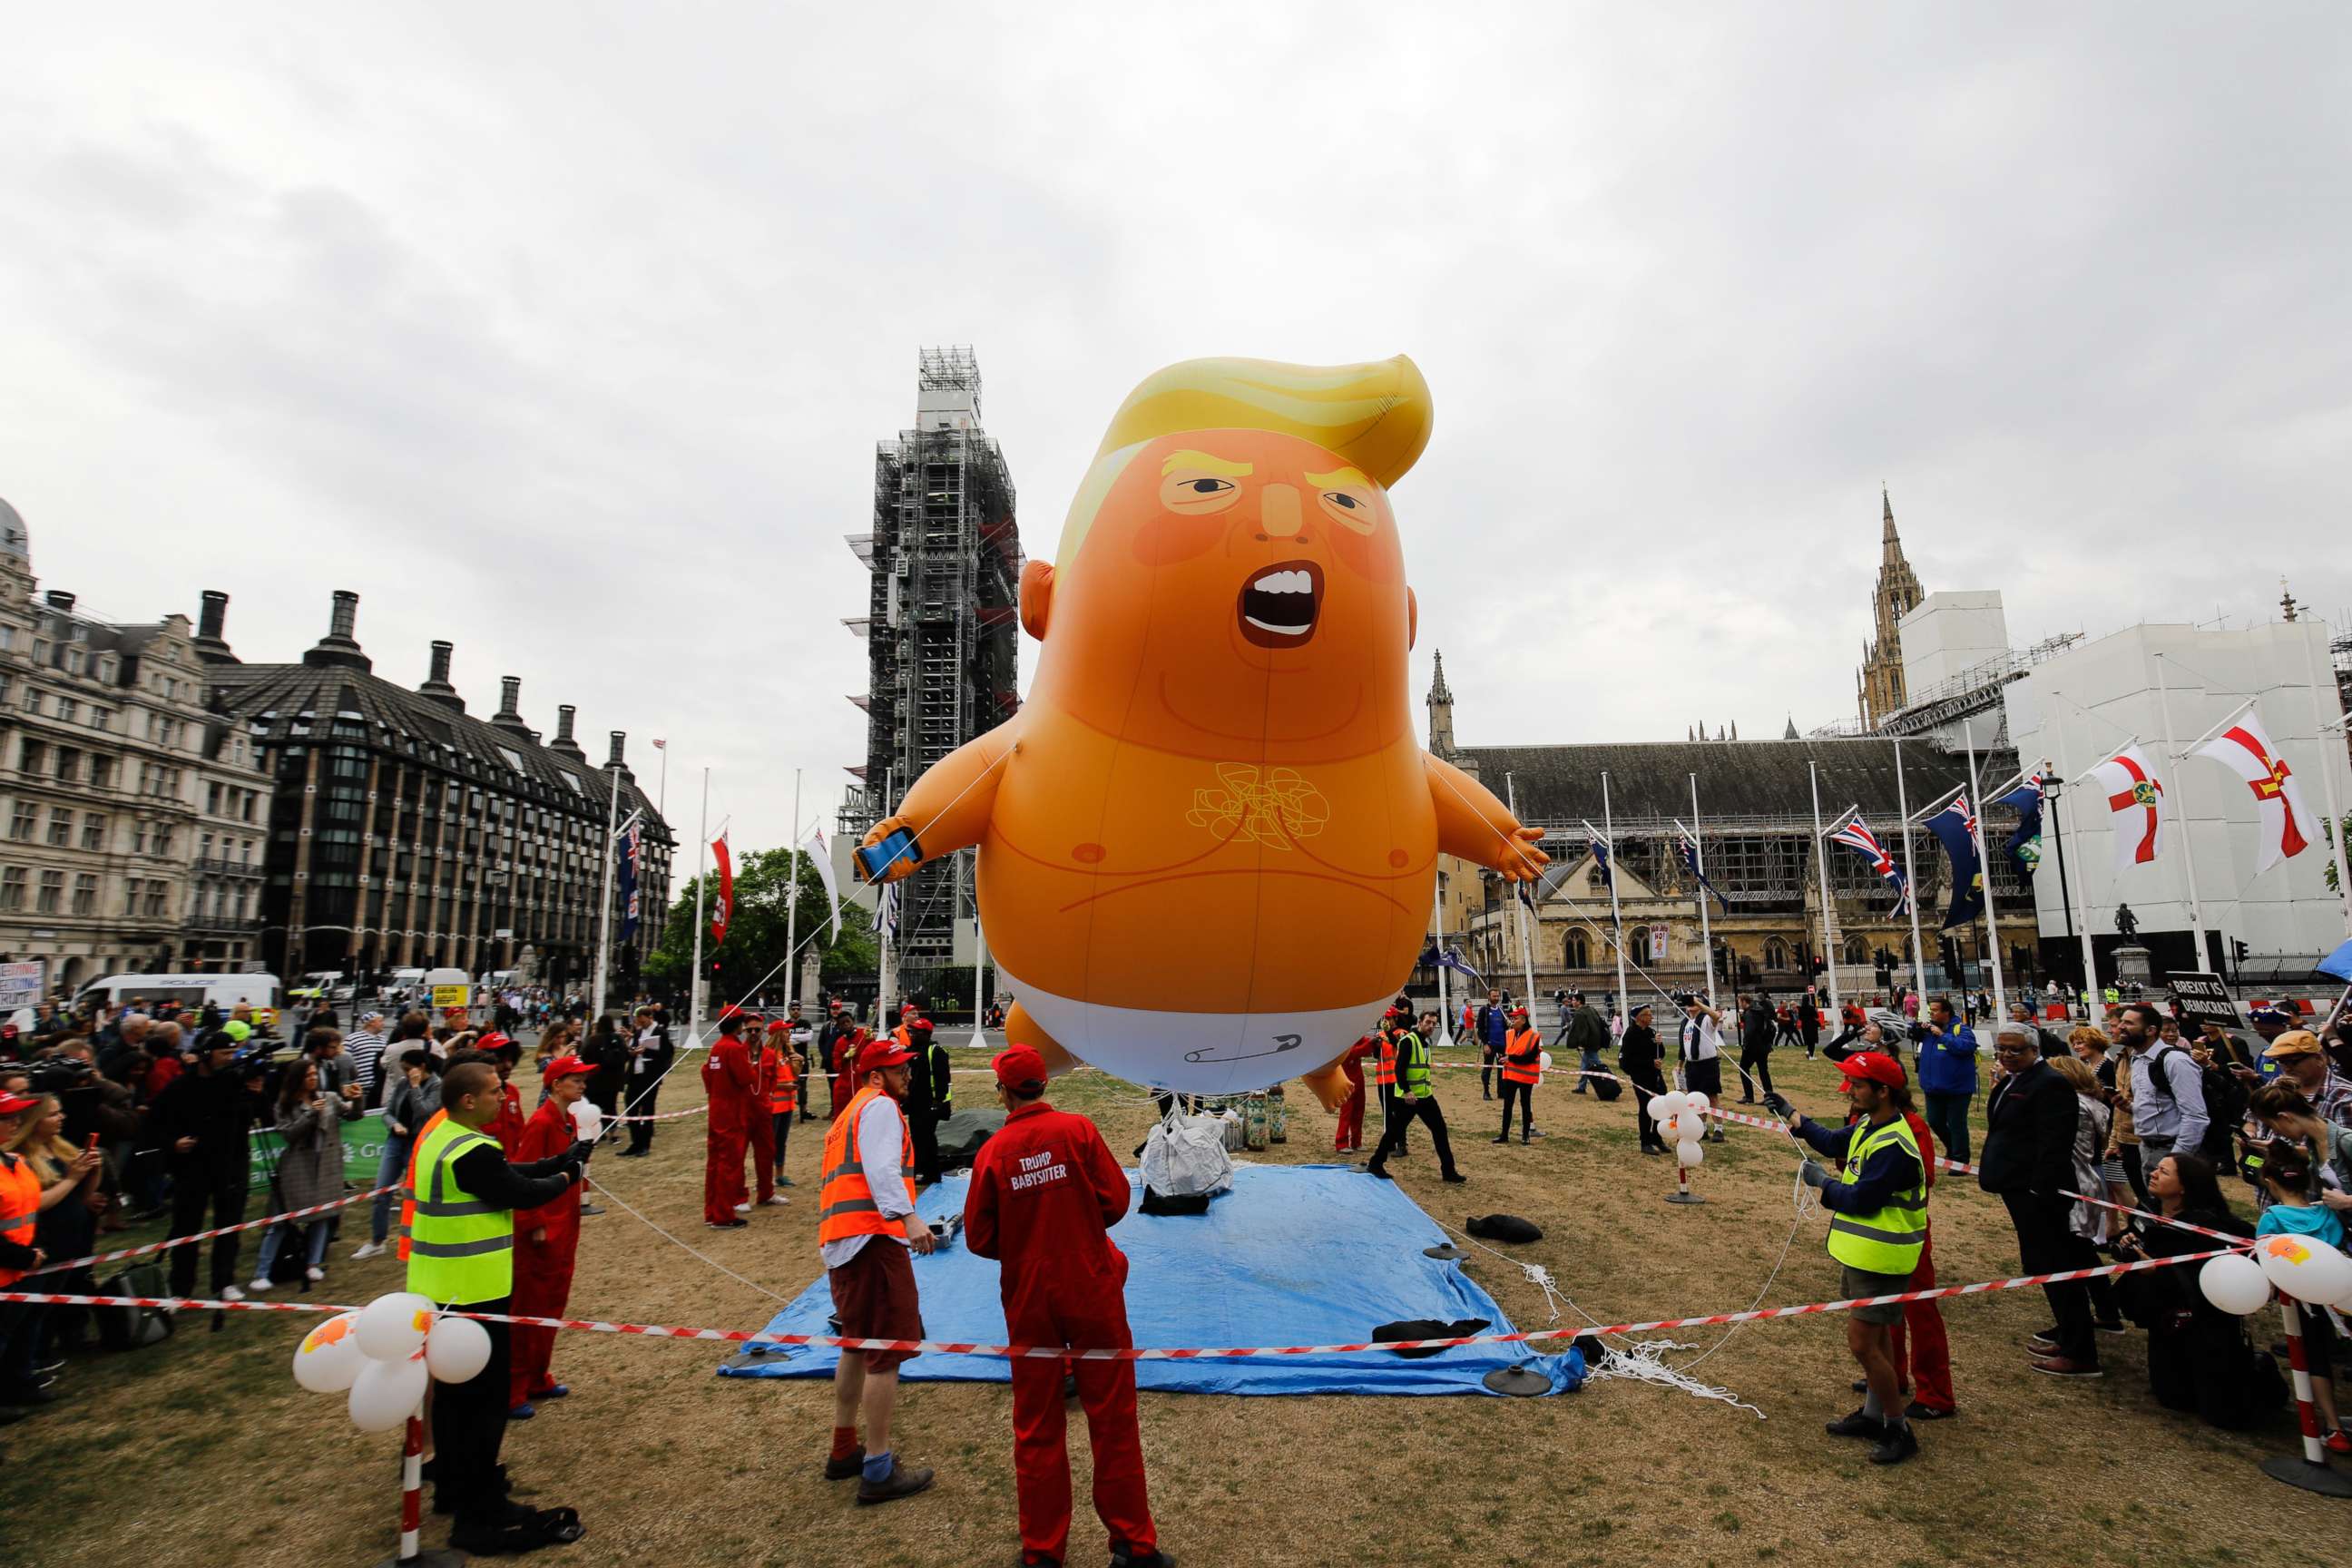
(1236, 586)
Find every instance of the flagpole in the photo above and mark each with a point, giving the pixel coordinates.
(2081, 892)
(1616, 919)
(1437, 941)
(887, 969)
(2327, 783)
(604, 915)
(2180, 816)
(1984, 871)
(980, 976)
(1910, 883)
(1699, 859)
(1822, 867)
(701, 848)
(793, 905)
(1526, 912)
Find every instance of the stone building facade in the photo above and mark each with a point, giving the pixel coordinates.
(132, 821)
(1755, 828)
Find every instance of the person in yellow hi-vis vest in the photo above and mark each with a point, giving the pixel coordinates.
(461, 1254)
(1877, 1200)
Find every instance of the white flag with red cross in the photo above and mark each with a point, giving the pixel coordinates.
(2133, 791)
(2246, 750)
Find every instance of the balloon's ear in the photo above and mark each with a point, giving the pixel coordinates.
(1412, 619)
(1036, 598)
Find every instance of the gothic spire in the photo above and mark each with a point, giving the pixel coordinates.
(1437, 688)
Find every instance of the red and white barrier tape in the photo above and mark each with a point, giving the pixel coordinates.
(170, 1242)
(1230, 1352)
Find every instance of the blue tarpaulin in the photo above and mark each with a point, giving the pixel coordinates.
(1294, 1255)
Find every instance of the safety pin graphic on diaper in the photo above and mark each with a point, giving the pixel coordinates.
(1281, 1043)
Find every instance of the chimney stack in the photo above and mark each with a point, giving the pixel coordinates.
(620, 740)
(509, 714)
(436, 686)
(339, 646)
(212, 622)
(563, 741)
(59, 599)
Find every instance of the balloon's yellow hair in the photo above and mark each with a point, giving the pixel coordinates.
(1376, 416)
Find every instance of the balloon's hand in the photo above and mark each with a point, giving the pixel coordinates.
(896, 870)
(1516, 856)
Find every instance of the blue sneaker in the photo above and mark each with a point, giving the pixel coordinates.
(522, 1412)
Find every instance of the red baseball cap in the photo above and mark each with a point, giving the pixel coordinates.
(1017, 1066)
(564, 1067)
(882, 1053)
(1876, 1066)
(493, 1041)
(16, 1104)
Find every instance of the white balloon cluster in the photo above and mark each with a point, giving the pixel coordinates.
(2306, 1270)
(1682, 1121)
(385, 1353)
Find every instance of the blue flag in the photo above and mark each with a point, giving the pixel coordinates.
(1601, 854)
(1955, 829)
(631, 846)
(1688, 846)
(1449, 959)
(2025, 844)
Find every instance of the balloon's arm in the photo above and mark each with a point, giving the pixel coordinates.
(1328, 1083)
(1474, 825)
(949, 807)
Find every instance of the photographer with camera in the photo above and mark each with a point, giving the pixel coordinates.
(201, 1123)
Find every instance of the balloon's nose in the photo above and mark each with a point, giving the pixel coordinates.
(1278, 511)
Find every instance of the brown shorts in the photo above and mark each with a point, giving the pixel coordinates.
(873, 1296)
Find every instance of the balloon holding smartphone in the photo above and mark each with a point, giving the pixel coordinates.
(897, 845)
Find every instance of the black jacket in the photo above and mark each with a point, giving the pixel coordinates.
(1637, 1051)
(216, 1112)
(2030, 1134)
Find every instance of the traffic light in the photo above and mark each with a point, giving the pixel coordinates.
(2238, 948)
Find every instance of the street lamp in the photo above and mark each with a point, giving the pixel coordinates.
(2051, 789)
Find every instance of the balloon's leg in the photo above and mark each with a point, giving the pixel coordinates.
(1328, 1083)
(1021, 1029)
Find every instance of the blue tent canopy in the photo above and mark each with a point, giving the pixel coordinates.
(1293, 1255)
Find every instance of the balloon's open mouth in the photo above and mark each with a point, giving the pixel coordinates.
(1279, 606)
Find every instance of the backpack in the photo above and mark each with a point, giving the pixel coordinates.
(2225, 1102)
(1605, 1087)
(133, 1327)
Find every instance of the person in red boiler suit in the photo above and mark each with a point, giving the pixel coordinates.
(506, 1126)
(768, 1065)
(1044, 1192)
(546, 1243)
(728, 1078)
(1350, 1138)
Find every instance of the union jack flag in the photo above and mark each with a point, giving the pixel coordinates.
(1856, 835)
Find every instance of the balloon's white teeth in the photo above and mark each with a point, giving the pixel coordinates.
(1285, 582)
(1284, 631)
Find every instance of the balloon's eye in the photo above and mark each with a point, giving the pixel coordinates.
(1208, 486)
(1192, 493)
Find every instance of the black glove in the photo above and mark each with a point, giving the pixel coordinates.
(1815, 1176)
(1779, 1105)
(579, 1151)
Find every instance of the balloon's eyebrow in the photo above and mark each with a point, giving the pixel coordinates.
(1205, 464)
(1340, 478)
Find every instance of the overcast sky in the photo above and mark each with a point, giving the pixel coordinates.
(566, 331)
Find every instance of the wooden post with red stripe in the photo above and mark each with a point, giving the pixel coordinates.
(2309, 1470)
(411, 1504)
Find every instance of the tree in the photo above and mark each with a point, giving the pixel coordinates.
(752, 958)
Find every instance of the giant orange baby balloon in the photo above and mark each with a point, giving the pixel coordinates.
(1208, 842)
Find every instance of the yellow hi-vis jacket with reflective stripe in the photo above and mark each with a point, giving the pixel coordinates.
(460, 1250)
(1885, 1241)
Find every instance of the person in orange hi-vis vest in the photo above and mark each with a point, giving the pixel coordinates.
(728, 1078)
(865, 1226)
(1384, 1074)
(780, 1092)
(1522, 1066)
(766, 1049)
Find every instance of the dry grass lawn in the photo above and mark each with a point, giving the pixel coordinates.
(203, 1452)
